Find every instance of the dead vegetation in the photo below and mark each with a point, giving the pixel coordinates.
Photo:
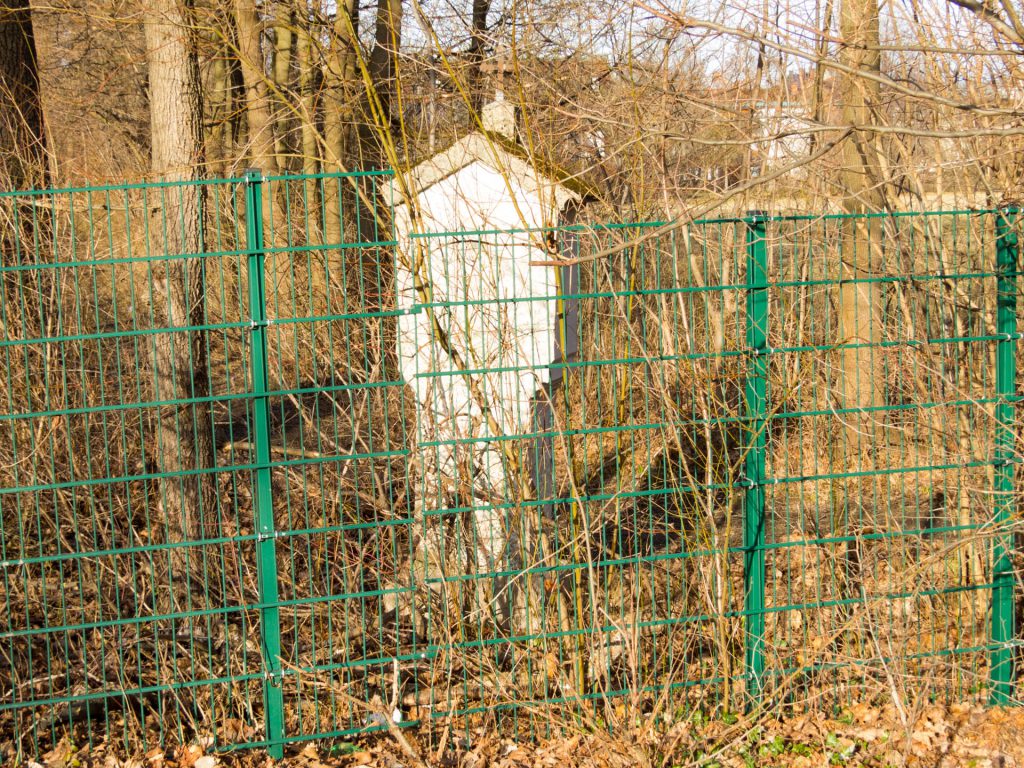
(869, 594)
(960, 735)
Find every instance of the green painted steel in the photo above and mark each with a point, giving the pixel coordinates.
(364, 540)
(755, 405)
(1007, 256)
(263, 502)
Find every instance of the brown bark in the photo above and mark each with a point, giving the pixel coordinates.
(184, 440)
(259, 118)
(307, 110)
(261, 146)
(475, 54)
(257, 98)
(342, 86)
(283, 39)
(25, 228)
(22, 141)
(219, 90)
(860, 303)
(383, 69)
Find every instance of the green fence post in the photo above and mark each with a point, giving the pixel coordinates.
(1006, 375)
(753, 462)
(266, 549)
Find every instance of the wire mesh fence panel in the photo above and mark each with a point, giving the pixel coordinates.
(276, 465)
(126, 547)
(881, 453)
(339, 446)
(660, 342)
(584, 490)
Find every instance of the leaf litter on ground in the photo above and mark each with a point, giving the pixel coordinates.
(962, 735)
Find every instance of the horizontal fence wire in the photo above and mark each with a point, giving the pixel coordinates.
(279, 465)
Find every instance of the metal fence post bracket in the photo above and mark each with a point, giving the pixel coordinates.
(1001, 653)
(754, 459)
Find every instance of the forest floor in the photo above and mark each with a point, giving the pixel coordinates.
(942, 736)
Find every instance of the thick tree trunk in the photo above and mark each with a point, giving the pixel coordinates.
(283, 38)
(23, 160)
(22, 142)
(184, 439)
(262, 146)
(258, 114)
(376, 125)
(307, 112)
(477, 49)
(257, 98)
(342, 86)
(219, 103)
(860, 323)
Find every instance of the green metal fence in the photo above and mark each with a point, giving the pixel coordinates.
(780, 468)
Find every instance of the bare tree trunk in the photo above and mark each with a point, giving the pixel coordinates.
(261, 141)
(238, 135)
(262, 145)
(341, 80)
(860, 321)
(307, 110)
(283, 38)
(860, 301)
(184, 439)
(23, 158)
(22, 142)
(257, 100)
(219, 90)
(477, 48)
(383, 66)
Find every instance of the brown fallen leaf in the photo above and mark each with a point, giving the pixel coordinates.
(863, 713)
(60, 755)
(187, 756)
(869, 734)
(233, 729)
(518, 756)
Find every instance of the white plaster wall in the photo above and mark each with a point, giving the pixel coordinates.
(498, 311)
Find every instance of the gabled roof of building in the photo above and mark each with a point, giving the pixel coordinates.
(503, 155)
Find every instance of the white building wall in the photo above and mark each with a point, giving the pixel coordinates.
(778, 150)
(498, 313)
